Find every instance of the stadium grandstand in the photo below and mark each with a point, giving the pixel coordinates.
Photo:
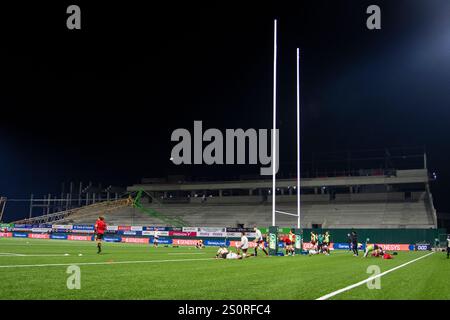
(385, 198)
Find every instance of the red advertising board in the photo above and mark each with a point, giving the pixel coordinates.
(39, 235)
(135, 240)
(79, 238)
(182, 234)
(5, 234)
(125, 228)
(394, 247)
(184, 242)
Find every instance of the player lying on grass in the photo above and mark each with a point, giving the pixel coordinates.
(375, 250)
(200, 244)
(224, 253)
(316, 250)
(259, 242)
(100, 228)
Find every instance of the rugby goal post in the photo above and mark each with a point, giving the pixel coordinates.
(274, 140)
(273, 230)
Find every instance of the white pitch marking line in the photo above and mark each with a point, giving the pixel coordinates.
(32, 255)
(334, 293)
(187, 253)
(98, 263)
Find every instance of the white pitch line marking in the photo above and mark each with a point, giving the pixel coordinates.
(334, 293)
(186, 253)
(32, 255)
(97, 263)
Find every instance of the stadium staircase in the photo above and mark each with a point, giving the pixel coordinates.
(93, 210)
(174, 221)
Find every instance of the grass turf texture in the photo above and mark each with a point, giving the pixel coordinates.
(133, 271)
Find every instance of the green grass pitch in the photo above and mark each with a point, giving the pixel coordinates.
(36, 269)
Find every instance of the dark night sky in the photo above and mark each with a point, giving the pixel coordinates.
(100, 104)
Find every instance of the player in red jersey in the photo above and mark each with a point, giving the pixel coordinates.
(100, 228)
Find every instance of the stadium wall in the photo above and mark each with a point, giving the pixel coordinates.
(403, 236)
(122, 233)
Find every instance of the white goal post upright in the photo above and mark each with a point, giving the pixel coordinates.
(274, 131)
(298, 139)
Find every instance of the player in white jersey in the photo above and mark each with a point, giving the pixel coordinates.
(243, 246)
(259, 242)
(224, 253)
(155, 239)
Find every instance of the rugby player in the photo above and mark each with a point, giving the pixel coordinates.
(200, 244)
(100, 228)
(259, 242)
(320, 240)
(326, 239)
(287, 243)
(313, 239)
(155, 239)
(375, 249)
(243, 245)
(224, 253)
(354, 238)
(291, 237)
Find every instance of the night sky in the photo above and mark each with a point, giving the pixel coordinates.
(99, 104)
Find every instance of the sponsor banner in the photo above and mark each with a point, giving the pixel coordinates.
(162, 241)
(6, 225)
(152, 233)
(5, 234)
(189, 229)
(182, 234)
(394, 247)
(423, 246)
(239, 234)
(212, 234)
(41, 230)
(184, 242)
(58, 236)
(137, 228)
(151, 228)
(21, 229)
(112, 228)
(39, 235)
(20, 225)
(238, 243)
(83, 231)
(112, 239)
(135, 240)
(79, 238)
(216, 243)
(240, 229)
(128, 233)
(233, 234)
(83, 227)
(307, 245)
(211, 229)
(20, 235)
(62, 226)
(341, 246)
(124, 228)
(174, 229)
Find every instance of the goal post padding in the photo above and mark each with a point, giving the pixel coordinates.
(273, 241)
